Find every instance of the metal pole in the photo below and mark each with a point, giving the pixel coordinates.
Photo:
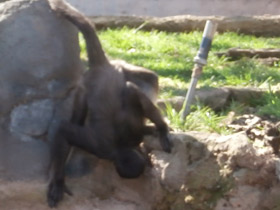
(200, 61)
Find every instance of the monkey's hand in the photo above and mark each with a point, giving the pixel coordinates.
(56, 191)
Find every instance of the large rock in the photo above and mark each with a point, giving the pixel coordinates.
(39, 70)
(203, 171)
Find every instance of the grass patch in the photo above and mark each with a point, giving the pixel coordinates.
(201, 118)
(171, 56)
(270, 105)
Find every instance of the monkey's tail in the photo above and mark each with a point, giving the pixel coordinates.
(96, 55)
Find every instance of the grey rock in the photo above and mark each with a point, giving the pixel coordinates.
(40, 68)
(203, 171)
(218, 98)
(215, 98)
(21, 160)
(39, 53)
(32, 119)
(175, 102)
(246, 95)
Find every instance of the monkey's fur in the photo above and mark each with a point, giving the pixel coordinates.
(115, 106)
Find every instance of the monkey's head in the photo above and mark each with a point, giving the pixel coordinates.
(129, 163)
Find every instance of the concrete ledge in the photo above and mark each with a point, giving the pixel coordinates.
(256, 25)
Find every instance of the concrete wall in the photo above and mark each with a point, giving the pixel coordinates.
(177, 7)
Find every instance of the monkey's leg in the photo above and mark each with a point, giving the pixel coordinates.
(59, 152)
(151, 112)
(60, 147)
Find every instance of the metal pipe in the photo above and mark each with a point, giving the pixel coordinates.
(200, 60)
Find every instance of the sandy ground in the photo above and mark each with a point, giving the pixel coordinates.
(91, 192)
(31, 195)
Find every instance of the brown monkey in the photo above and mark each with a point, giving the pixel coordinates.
(115, 106)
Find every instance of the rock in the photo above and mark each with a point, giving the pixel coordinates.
(238, 53)
(271, 199)
(175, 102)
(246, 95)
(47, 62)
(38, 80)
(22, 160)
(244, 197)
(40, 68)
(203, 171)
(32, 119)
(215, 98)
(218, 98)
(269, 61)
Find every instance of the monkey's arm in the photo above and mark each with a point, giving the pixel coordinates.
(152, 113)
(80, 108)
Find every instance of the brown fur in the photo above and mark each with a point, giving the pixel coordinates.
(116, 107)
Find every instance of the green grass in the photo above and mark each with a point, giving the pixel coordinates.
(171, 56)
(201, 118)
(269, 105)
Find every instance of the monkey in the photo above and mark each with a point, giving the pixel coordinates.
(109, 113)
(145, 79)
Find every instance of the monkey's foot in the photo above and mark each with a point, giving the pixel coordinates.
(56, 191)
